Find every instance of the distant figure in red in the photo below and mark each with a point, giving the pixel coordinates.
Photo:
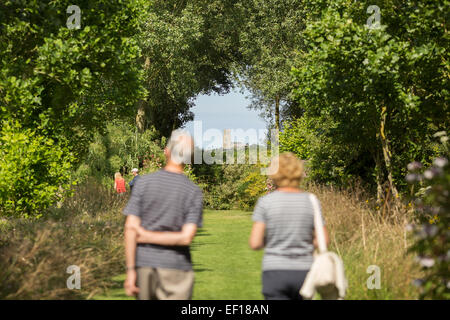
(119, 183)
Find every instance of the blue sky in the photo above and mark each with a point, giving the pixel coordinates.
(225, 112)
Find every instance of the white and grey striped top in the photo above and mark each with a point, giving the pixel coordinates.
(165, 201)
(289, 220)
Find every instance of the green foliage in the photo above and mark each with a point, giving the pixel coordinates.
(68, 83)
(431, 233)
(237, 186)
(269, 39)
(60, 86)
(295, 137)
(187, 48)
(364, 87)
(34, 171)
(226, 194)
(254, 185)
(122, 148)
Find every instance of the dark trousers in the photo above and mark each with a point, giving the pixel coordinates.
(283, 284)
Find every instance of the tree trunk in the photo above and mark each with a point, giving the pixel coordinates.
(379, 177)
(387, 155)
(277, 113)
(140, 117)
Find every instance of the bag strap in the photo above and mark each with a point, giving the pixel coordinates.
(318, 225)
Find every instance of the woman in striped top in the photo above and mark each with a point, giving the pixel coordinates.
(284, 227)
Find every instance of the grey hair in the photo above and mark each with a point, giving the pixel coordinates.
(181, 146)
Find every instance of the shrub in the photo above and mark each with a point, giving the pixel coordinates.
(34, 171)
(121, 148)
(431, 232)
(226, 193)
(295, 138)
(254, 185)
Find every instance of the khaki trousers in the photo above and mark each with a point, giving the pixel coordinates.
(164, 284)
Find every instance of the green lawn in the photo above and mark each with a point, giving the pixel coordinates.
(225, 268)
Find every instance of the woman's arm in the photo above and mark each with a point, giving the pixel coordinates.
(256, 240)
(327, 239)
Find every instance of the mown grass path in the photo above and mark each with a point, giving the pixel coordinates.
(225, 267)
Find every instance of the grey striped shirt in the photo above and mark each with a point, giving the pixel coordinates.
(289, 220)
(165, 201)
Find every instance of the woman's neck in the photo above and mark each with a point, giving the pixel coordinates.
(289, 189)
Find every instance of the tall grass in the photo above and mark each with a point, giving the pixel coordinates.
(363, 237)
(85, 231)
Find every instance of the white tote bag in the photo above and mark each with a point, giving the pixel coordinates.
(327, 275)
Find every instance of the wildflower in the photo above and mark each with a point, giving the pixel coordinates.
(426, 262)
(428, 174)
(434, 219)
(414, 166)
(440, 162)
(412, 177)
(431, 173)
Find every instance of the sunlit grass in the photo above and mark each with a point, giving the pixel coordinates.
(225, 267)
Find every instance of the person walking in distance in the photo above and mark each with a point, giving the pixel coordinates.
(135, 173)
(119, 183)
(163, 214)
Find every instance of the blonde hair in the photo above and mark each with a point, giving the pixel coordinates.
(117, 175)
(286, 170)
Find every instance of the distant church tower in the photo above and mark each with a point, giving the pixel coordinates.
(227, 139)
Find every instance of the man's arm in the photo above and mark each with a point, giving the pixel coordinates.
(168, 238)
(131, 224)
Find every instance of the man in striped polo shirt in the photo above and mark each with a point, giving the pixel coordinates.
(163, 214)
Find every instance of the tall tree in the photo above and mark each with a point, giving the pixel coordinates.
(58, 86)
(189, 47)
(385, 88)
(67, 83)
(269, 41)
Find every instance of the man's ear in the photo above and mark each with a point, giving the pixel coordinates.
(167, 152)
